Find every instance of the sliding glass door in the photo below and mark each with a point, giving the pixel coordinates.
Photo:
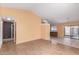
(75, 32)
(72, 32)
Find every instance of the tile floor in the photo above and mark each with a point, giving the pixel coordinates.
(67, 41)
(38, 47)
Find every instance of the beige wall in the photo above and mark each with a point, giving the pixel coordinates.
(45, 31)
(60, 30)
(27, 24)
(71, 23)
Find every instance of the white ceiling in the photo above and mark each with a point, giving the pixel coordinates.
(53, 12)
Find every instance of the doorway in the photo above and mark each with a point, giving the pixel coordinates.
(8, 31)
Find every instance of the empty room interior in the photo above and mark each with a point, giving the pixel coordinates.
(39, 28)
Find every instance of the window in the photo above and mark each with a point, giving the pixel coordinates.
(53, 29)
(67, 30)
